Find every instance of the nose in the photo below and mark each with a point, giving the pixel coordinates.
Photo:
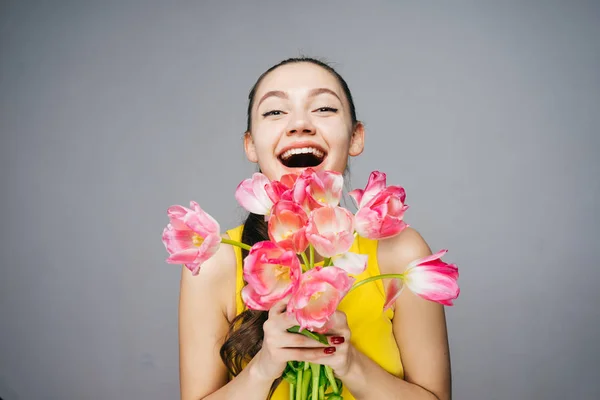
(300, 125)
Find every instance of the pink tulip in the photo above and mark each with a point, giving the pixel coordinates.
(251, 194)
(330, 230)
(380, 209)
(281, 189)
(375, 185)
(433, 279)
(272, 274)
(313, 189)
(318, 296)
(287, 226)
(191, 237)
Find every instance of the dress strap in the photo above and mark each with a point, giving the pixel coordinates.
(236, 234)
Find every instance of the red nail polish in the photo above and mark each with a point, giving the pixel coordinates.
(329, 350)
(337, 340)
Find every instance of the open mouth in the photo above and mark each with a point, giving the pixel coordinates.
(305, 157)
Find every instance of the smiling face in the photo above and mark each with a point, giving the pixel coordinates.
(301, 118)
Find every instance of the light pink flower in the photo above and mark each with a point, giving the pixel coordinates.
(313, 189)
(318, 296)
(330, 230)
(191, 237)
(433, 279)
(352, 263)
(380, 209)
(287, 226)
(272, 274)
(251, 194)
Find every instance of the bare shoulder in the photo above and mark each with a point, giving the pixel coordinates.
(217, 278)
(395, 253)
(420, 329)
(205, 303)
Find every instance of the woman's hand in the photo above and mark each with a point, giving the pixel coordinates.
(280, 346)
(338, 335)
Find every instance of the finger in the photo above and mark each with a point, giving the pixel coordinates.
(336, 339)
(289, 319)
(338, 320)
(338, 324)
(297, 340)
(315, 355)
(278, 308)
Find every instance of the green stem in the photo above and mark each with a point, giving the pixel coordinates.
(299, 384)
(305, 259)
(374, 278)
(311, 250)
(292, 391)
(327, 262)
(316, 369)
(236, 243)
(331, 379)
(305, 381)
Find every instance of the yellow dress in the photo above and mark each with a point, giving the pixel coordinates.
(371, 328)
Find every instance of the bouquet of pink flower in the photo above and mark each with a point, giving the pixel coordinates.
(304, 215)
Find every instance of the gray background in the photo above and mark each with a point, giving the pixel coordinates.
(486, 112)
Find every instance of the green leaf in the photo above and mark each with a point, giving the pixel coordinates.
(316, 336)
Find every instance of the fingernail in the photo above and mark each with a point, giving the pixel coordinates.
(329, 350)
(337, 340)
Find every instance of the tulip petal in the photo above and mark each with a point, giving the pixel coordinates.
(253, 300)
(375, 185)
(313, 189)
(272, 273)
(433, 279)
(275, 191)
(352, 263)
(441, 289)
(330, 230)
(183, 257)
(192, 236)
(177, 240)
(252, 194)
(392, 292)
(429, 258)
(370, 224)
(356, 195)
(201, 223)
(318, 295)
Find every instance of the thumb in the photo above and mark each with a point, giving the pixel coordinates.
(278, 308)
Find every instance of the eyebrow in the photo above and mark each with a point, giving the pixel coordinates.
(312, 93)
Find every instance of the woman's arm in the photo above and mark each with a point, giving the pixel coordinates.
(204, 304)
(420, 331)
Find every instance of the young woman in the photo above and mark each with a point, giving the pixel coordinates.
(303, 105)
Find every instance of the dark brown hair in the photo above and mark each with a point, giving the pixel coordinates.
(245, 335)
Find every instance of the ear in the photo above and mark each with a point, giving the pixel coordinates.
(249, 148)
(357, 142)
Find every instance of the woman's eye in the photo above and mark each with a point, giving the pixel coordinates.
(327, 109)
(273, 112)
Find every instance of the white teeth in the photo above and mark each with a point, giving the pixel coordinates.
(303, 150)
